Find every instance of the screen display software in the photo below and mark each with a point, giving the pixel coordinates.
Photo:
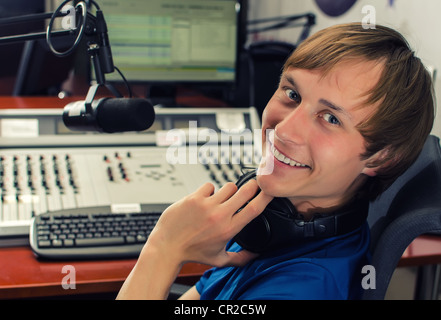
(173, 40)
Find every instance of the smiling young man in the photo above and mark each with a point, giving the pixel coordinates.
(324, 140)
(351, 113)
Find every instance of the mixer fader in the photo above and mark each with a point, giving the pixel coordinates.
(58, 170)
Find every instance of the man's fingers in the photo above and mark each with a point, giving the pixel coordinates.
(225, 193)
(243, 195)
(206, 189)
(251, 211)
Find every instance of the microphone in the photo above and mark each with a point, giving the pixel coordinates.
(110, 115)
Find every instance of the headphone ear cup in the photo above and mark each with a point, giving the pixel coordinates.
(256, 235)
(273, 225)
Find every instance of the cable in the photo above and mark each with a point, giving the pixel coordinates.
(94, 3)
(84, 7)
(125, 82)
(80, 33)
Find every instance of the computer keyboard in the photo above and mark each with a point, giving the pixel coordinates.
(93, 233)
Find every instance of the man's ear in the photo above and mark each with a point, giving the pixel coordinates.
(376, 162)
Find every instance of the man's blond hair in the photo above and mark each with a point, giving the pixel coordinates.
(404, 92)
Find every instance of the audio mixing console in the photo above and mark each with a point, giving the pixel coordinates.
(44, 167)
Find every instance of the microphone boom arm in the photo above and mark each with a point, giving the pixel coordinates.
(104, 115)
(95, 30)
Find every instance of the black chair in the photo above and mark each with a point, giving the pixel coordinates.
(409, 208)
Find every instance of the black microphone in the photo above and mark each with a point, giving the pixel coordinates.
(110, 115)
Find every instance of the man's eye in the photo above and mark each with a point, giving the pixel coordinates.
(331, 119)
(293, 95)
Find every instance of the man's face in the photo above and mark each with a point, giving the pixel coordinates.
(315, 144)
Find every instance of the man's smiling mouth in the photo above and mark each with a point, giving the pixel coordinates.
(284, 159)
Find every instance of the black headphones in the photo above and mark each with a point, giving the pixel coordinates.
(280, 224)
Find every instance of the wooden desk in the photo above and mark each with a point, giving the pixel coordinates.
(23, 276)
(424, 253)
(425, 250)
(7, 102)
(185, 98)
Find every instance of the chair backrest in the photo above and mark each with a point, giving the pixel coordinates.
(409, 208)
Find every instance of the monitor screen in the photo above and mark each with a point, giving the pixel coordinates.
(173, 40)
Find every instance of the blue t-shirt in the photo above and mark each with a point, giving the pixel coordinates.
(325, 269)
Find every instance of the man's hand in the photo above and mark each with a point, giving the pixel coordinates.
(198, 227)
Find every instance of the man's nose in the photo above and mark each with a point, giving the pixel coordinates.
(294, 126)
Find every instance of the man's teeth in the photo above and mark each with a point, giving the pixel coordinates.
(286, 160)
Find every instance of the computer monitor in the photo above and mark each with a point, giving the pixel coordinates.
(10, 53)
(174, 41)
